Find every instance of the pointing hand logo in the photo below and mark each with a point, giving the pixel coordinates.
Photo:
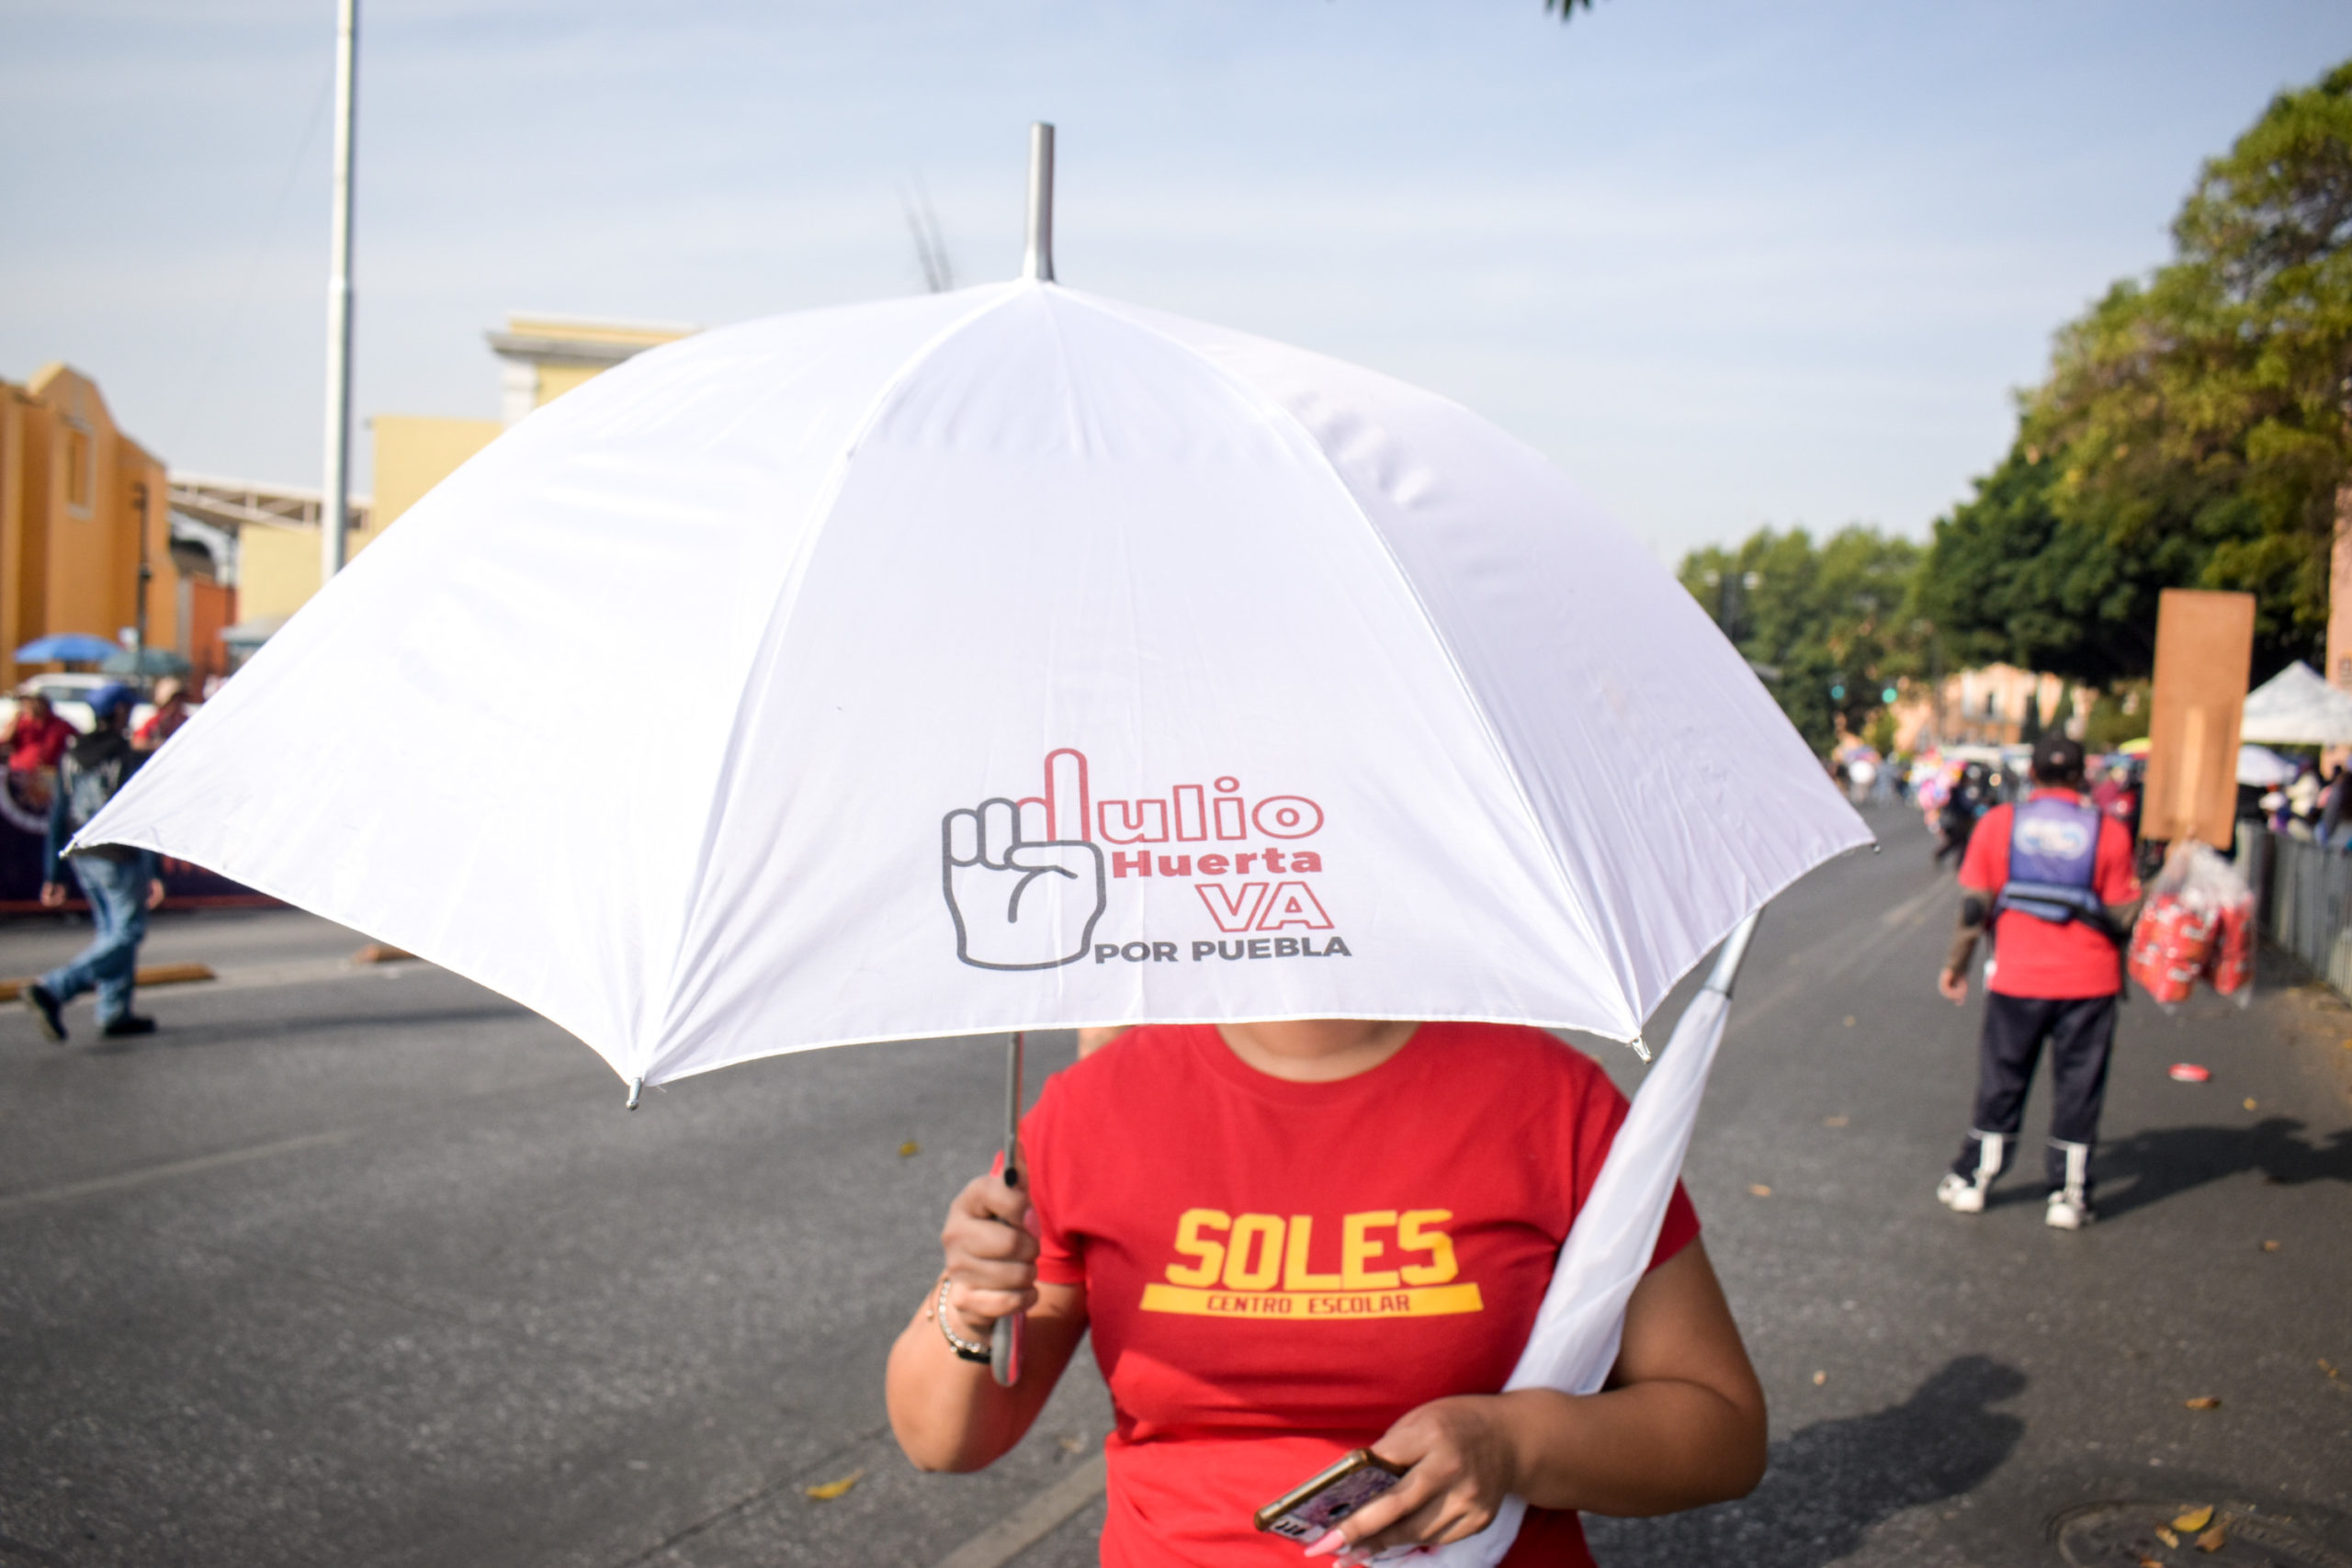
(1023, 882)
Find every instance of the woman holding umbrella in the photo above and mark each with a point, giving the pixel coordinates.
(1295, 1239)
(1251, 608)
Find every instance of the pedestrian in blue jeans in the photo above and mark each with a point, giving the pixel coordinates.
(120, 883)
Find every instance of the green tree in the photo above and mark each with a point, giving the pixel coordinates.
(2199, 425)
(2008, 580)
(1830, 625)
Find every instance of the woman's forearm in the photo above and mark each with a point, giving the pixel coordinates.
(951, 1414)
(1681, 1424)
(1651, 1448)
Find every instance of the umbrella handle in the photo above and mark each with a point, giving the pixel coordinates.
(1006, 1339)
(1005, 1343)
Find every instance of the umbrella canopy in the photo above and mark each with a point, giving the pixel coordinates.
(2297, 708)
(1066, 663)
(68, 648)
(144, 661)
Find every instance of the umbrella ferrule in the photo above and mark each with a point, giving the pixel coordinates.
(1037, 262)
(636, 1093)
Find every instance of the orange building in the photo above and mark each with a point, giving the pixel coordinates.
(86, 542)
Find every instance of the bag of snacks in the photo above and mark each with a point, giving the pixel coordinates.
(2198, 920)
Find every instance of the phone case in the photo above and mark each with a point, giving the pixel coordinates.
(1307, 1512)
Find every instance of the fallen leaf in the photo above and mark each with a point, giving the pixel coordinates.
(2213, 1540)
(2203, 1402)
(1820, 1378)
(1833, 1120)
(2166, 1536)
(2329, 1368)
(1850, 1021)
(1071, 1442)
(832, 1489)
(2269, 1246)
(2150, 1563)
(1758, 1190)
(909, 1149)
(2194, 1519)
(2249, 1103)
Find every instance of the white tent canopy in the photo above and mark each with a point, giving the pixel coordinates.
(2297, 708)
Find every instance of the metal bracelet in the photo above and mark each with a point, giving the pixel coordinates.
(967, 1350)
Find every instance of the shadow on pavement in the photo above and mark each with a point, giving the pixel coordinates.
(2147, 1168)
(1828, 1484)
(189, 1036)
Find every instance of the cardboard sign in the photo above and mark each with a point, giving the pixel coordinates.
(2204, 655)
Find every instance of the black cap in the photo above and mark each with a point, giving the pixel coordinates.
(2057, 756)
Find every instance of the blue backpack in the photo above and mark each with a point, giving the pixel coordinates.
(2053, 862)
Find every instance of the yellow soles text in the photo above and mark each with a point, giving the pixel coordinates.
(1314, 1306)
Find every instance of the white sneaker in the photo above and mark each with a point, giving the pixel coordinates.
(1961, 1195)
(2067, 1212)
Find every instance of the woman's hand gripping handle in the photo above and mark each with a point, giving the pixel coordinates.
(990, 1244)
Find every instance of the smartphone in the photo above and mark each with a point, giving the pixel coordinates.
(1307, 1512)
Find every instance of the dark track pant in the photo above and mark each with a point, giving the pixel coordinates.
(2079, 1032)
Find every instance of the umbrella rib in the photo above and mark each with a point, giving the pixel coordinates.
(779, 615)
(1272, 407)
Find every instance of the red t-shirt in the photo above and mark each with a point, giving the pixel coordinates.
(2034, 957)
(38, 744)
(1277, 1271)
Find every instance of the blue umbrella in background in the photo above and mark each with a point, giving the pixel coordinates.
(68, 648)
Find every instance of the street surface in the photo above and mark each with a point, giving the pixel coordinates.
(367, 1265)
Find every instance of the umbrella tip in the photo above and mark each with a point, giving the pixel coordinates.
(636, 1093)
(1037, 263)
(1640, 1047)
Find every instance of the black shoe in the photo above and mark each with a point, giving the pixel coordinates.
(129, 1023)
(48, 1011)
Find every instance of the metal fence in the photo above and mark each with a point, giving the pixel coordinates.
(2306, 901)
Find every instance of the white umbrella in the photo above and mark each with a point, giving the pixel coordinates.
(2296, 707)
(2261, 767)
(1000, 659)
(1017, 657)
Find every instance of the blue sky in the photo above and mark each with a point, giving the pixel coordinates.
(1726, 263)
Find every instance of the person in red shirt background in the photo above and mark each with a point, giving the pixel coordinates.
(171, 711)
(2051, 875)
(38, 736)
(1292, 1240)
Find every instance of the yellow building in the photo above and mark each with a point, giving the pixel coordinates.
(543, 357)
(546, 357)
(86, 542)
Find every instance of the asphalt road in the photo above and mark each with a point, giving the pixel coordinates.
(367, 1266)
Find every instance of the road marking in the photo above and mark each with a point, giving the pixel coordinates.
(1032, 1522)
(300, 972)
(309, 972)
(1907, 912)
(147, 1176)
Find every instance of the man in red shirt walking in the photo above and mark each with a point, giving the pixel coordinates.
(2052, 876)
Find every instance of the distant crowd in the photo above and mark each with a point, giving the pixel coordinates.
(38, 735)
